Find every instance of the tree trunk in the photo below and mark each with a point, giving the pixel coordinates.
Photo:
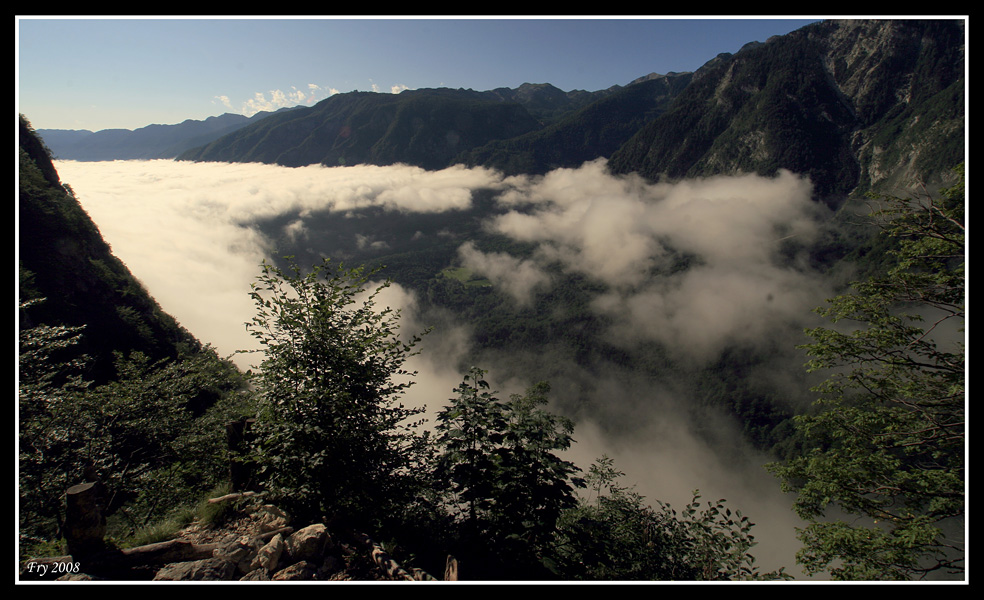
(238, 434)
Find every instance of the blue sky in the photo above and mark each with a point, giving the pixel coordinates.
(86, 73)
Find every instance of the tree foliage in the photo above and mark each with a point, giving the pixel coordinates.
(507, 485)
(888, 430)
(332, 438)
(519, 515)
(616, 536)
(149, 435)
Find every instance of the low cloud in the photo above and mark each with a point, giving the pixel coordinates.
(520, 279)
(735, 286)
(696, 265)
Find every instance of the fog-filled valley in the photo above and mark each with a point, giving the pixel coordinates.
(655, 311)
(513, 331)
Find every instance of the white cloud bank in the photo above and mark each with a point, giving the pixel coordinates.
(185, 229)
(626, 233)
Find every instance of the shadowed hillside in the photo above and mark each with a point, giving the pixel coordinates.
(65, 261)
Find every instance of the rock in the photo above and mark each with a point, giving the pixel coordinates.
(256, 575)
(268, 557)
(234, 553)
(76, 577)
(308, 543)
(208, 569)
(271, 518)
(300, 571)
(332, 564)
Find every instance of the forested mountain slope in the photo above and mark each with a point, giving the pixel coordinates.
(426, 128)
(856, 105)
(596, 130)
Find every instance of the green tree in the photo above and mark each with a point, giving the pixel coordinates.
(887, 434)
(616, 536)
(333, 441)
(507, 484)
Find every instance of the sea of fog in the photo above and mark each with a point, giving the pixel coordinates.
(188, 232)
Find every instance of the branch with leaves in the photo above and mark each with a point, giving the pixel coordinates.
(888, 430)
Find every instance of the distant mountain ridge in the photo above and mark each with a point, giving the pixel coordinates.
(856, 105)
(427, 128)
(152, 141)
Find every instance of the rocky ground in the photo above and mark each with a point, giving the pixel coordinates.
(255, 543)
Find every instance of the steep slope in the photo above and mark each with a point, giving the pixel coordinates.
(854, 104)
(64, 259)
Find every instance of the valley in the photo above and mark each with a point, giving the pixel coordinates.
(655, 252)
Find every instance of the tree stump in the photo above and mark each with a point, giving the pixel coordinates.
(85, 524)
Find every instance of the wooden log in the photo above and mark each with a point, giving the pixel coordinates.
(268, 535)
(162, 553)
(232, 496)
(151, 554)
(383, 560)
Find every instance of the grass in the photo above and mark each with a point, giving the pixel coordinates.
(466, 276)
(203, 512)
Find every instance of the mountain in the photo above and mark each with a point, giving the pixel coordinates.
(426, 127)
(546, 102)
(857, 105)
(152, 141)
(529, 129)
(597, 129)
(65, 261)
